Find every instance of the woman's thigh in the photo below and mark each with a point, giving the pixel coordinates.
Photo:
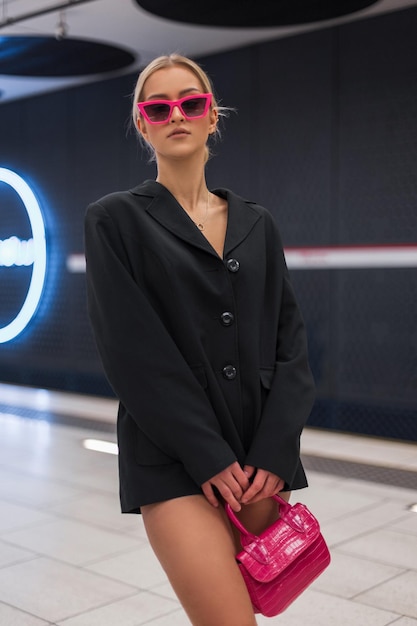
(194, 544)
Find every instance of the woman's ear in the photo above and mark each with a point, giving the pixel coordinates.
(214, 118)
(141, 126)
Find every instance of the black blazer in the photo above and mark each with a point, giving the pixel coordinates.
(207, 355)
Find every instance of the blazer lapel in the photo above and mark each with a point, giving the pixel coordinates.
(242, 217)
(164, 208)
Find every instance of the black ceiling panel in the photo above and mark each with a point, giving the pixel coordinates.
(50, 57)
(252, 13)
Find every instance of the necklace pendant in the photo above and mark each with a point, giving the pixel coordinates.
(200, 226)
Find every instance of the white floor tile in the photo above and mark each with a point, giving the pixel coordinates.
(10, 554)
(334, 501)
(380, 490)
(54, 591)
(79, 469)
(318, 609)
(363, 521)
(64, 403)
(385, 546)
(176, 618)
(142, 608)
(412, 464)
(408, 524)
(166, 590)
(72, 542)
(138, 567)
(42, 450)
(316, 480)
(348, 576)
(10, 616)
(13, 516)
(60, 500)
(398, 594)
(31, 491)
(99, 478)
(102, 510)
(360, 449)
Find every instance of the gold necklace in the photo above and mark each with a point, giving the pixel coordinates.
(200, 225)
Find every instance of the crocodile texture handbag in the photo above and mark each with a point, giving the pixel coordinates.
(280, 563)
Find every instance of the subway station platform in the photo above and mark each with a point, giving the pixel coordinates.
(69, 558)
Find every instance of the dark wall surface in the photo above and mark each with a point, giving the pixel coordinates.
(325, 136)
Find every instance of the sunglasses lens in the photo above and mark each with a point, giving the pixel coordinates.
(194, 107)
(160, 111)
(157, 112)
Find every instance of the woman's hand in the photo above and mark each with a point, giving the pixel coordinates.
(231, 483)
(264, 485)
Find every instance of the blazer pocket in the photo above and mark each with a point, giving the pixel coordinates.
(267, 376)
(147, 453)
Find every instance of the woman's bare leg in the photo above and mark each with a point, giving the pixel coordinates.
(194, 544)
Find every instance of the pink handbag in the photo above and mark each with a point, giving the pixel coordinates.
(283, 560)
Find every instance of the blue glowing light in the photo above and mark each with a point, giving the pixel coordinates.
(32, 252)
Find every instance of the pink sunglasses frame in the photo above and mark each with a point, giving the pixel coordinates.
(177, 103)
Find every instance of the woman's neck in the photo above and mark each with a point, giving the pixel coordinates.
(186, 181)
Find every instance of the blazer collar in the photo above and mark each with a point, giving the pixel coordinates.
(242, 216)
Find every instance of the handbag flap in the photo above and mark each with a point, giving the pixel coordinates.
(267, 555)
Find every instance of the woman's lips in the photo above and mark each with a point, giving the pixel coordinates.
(178, 131)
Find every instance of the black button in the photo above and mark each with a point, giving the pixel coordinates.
(233, 265)
(229, 372)
(227, 318)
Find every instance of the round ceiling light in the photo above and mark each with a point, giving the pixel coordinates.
(51, 57)
(252, 13)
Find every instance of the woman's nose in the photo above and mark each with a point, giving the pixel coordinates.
(176, 113)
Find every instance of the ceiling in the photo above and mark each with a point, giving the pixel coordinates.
(123, 24)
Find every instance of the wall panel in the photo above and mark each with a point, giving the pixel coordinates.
(324, 134)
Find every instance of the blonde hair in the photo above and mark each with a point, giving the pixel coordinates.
(165, 61)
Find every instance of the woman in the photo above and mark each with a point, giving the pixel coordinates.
(203, 343)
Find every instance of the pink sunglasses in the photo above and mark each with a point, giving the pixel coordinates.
(160, 111)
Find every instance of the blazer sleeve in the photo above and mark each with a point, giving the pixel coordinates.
(276, 445)
(142, 362)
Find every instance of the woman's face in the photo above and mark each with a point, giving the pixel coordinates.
(177, 138)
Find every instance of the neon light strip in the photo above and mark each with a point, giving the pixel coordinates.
(22, 319)
(352, 257)
(76, 263)
(323, 258)
(16, 252)
(98, 445)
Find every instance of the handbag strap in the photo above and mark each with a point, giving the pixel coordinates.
(284, 507)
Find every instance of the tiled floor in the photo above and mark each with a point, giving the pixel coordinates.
(68, 558)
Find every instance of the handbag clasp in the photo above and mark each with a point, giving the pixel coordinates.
(258, 551)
